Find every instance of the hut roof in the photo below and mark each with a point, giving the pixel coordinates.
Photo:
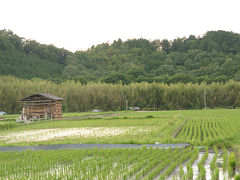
(38, 96)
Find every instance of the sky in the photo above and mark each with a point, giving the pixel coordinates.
(79, 24)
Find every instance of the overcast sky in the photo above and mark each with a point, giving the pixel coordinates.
(79, 24)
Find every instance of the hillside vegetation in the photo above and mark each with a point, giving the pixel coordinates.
(214, 57)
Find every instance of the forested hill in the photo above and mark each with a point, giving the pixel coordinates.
(29, 59)
(213, 57)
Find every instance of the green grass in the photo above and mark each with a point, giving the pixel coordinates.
(198, 127)
(143, 129)
(10, 117)
(65, 115)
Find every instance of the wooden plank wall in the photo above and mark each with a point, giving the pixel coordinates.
(57, 110)
(40, 111)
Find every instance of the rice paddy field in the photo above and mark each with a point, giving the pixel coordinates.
(213, 134)
(187, 163)
(197, 127)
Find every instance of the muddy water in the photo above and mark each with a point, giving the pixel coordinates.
(207, 165)
(195, 166)
(175, 173)
(222, 174)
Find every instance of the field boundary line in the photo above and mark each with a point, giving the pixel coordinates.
(93, 116)
(180, 128)
(90, 146)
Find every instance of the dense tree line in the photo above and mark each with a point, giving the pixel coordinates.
(113, 96)
(214, 57)
(29, 59)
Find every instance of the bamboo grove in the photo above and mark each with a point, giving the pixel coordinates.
(150, 96)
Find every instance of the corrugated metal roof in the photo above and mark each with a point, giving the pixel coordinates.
(50, 96)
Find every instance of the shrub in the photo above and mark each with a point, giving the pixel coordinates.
(144, 147)
(150, 116)
(181, 172)
(232, 160)
(237, 177)
(8, 125)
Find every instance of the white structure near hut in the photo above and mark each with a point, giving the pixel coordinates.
(40, 105)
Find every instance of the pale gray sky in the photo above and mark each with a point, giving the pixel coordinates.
(79, 24)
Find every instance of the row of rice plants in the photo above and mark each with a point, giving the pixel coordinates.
(201, 168)
(189, 175)
(165, 162)
(144, 163)
(213, 167)
(208, 130)
(136, 170)
(57, 163)
(225, 160)
(186, 156)
(92, 163)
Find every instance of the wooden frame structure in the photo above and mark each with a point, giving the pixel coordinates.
(40, 105)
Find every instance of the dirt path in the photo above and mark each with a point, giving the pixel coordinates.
(84, 146)
(78, 117)
(95, 116)
(179, 128)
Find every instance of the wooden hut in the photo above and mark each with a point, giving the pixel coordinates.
(40, 105)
